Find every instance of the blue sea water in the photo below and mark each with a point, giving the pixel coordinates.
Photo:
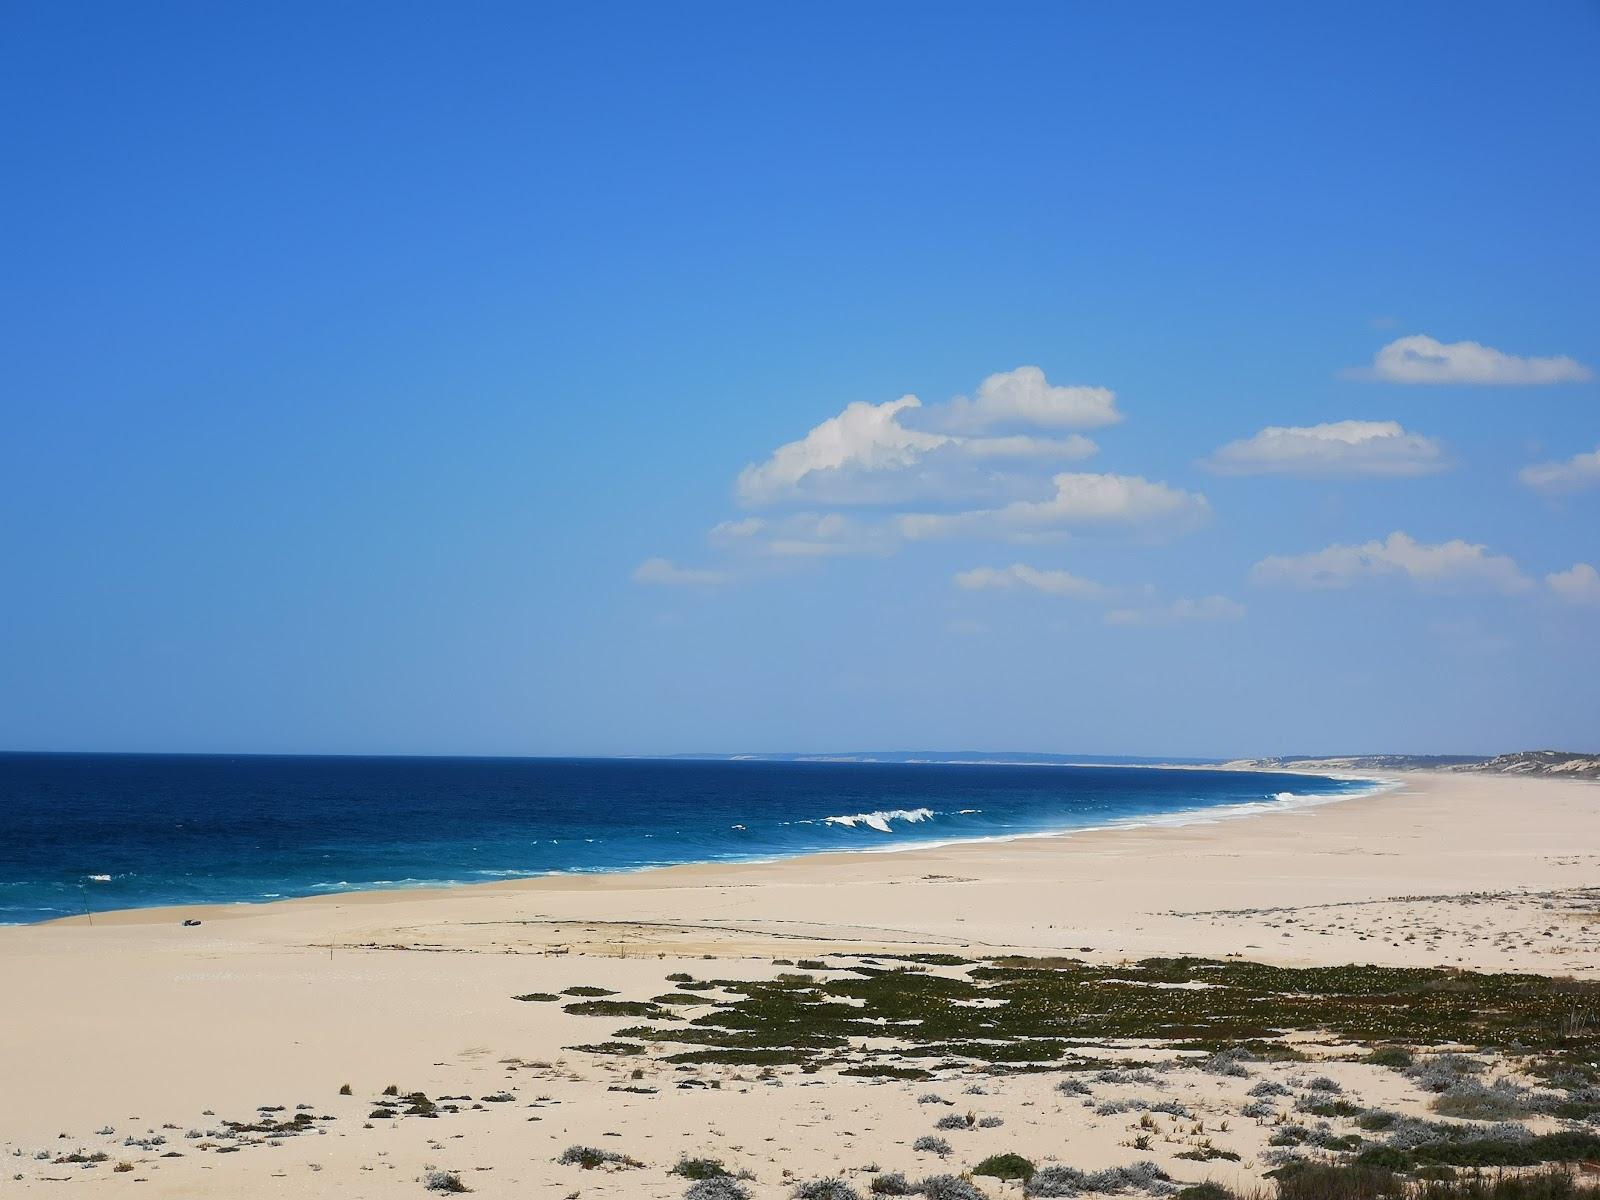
(91, 832)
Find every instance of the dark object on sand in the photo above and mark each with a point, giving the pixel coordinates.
(188, 921)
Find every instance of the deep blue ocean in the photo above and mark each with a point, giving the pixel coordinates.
(101, 831)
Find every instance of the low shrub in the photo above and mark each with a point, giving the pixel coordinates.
(1471, 1100)
(1205, 1191)
(825, 1189)
(1069, 1181)
(949, 1187)
(1545, 1185)
(1206, 1152)
(700, 1168)
(1440, 1072)
(1315, 1181)
(1005, 1166)
(588, 1157)
(1228, 1062)
(1397, 1058)
(717, 1187)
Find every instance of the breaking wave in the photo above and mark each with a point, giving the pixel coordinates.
(882, 819)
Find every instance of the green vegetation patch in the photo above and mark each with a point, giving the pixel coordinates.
(1463, 1151)
(1019, 1011)
(618, 1008)
(888, 1071)
(1316, 1181)
(608, 1048)
(700, 1168)
(1005, 1166)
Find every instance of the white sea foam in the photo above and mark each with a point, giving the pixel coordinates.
(1213, 814)
(881, 819)
(101, 878)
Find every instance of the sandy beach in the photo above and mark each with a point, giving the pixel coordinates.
(138, 1026)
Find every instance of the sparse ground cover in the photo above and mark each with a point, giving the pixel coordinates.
(1027, 1013)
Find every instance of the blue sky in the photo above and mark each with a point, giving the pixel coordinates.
(417, 378)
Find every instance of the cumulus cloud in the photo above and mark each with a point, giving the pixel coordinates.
(663, 571)
(1336, 448)
(1074, 446)
(1579, 584)
(1453, 564)
(1025, 397)
(900, 450)
(1081, 500)
(1020, 575)
(864, 437)
(1178, 612)
(1574, 475)
(1422, 359)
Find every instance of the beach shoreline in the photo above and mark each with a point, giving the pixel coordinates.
(138, 1022)
(905, 843)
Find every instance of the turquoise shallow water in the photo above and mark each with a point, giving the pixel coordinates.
(96, 832)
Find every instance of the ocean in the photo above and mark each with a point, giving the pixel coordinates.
(92, 832)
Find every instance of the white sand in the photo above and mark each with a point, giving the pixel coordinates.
(138, 1022)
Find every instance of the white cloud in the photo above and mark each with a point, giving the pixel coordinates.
(1337, 448)
(1447, 564)
(1180, 611)
(1074, 446)
(900, 450)
(1579, 584)
(1081, 500)
(734, 531)
(663, 571)
(813, 535)
(1055, 583)
(1025, 397)
(1577, 473)
(864, 437)
(1422, 359)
